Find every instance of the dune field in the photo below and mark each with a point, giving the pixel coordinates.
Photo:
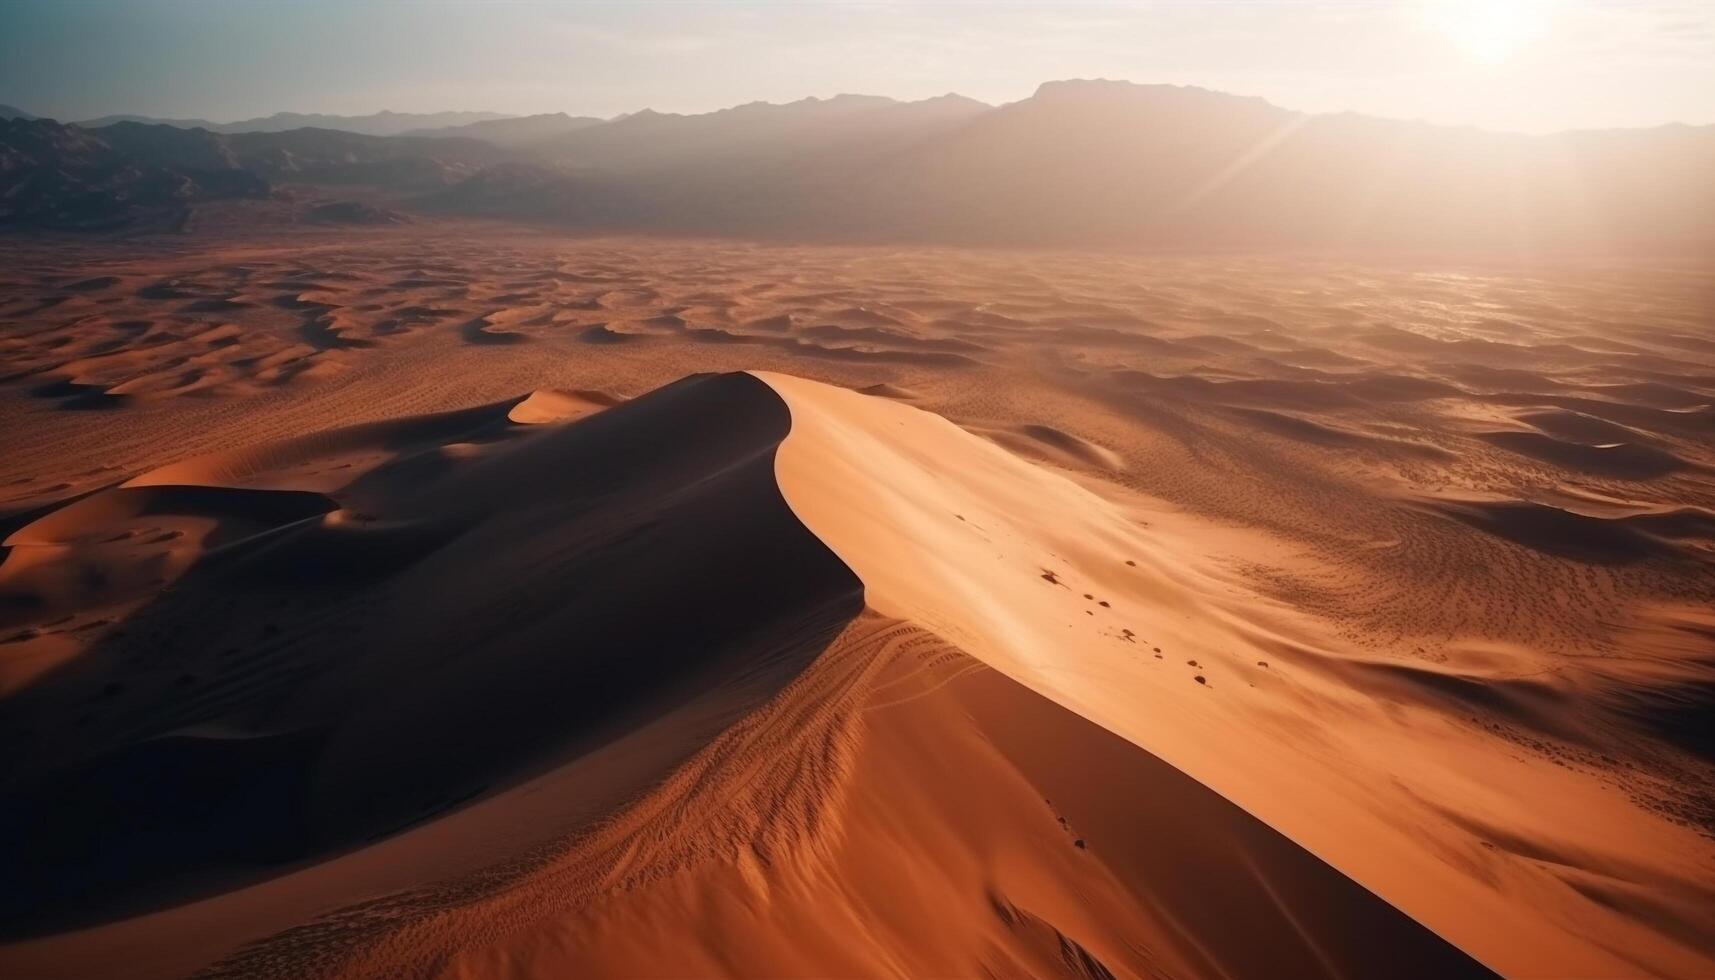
(451, 599)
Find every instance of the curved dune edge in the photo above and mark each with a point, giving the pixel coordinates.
(996, 555)
(899, 809)
(801, 817)
(894, 807)
(477, 603)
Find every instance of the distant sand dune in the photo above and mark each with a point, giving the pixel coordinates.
(1627, 460)
(1035, 439)
(1579, 536)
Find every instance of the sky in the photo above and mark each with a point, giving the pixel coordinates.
(1530, 65)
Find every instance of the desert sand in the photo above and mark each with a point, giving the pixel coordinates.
(462, 601)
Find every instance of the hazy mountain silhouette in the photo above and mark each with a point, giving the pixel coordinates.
(13, 112)
(168, 146)
(515, 131)
(105, 121)
(335, 157)
(307, 155)
(747, 169)
(758, 133)
(67, 177)
(64, 176)
(1112, 163)
(1080, 163)
(377, 124)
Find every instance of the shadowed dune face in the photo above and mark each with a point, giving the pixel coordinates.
(1631, 461)
(817, 836)
(339, 712)
(293, 696)
(1386, 557)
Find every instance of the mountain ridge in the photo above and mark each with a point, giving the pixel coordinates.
(1082, 162)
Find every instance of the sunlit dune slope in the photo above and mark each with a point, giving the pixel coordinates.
(1113, 612)
(902, 810)
(556, 678)
(551, 686)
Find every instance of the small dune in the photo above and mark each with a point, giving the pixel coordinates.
(331, 331)
(1317, 433)
(601, 333)
(1625, 460)
(889, 390)
(882, 337)
(79, 397)
(1057, 445)
(550, 405)
(1565, 533)
(1578, 427)
(93, 285)
(483, 331)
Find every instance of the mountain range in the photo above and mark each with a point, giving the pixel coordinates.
(1079, 163)
(70, 177)
(382, 123)
(513, 131)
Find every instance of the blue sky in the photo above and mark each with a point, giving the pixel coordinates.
(1511, 64)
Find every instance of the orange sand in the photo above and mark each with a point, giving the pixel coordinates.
(1021, 613)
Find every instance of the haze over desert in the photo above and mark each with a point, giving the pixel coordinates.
(1127, 530)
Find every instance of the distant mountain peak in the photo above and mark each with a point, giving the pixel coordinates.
(513, 131)
(845, 101)
(383, 123)
(951, 98)
(1081, 86)
(1120, 89)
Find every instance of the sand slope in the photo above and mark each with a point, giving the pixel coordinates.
(1126, 626)
(323, 675)
(566, 629)
(901, 810)
(323, 586)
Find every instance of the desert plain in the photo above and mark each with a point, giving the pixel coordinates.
(464, 599)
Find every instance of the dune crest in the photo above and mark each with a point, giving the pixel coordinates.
(819, 836)
(1122, 621)
(346, 664)
(695, 748)
(521, 685)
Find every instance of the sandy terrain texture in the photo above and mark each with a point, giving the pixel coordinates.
(450, 600)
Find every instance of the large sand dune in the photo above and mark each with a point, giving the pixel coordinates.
(596, 599)
(1084, 615)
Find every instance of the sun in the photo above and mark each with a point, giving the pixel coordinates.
(1490, 31)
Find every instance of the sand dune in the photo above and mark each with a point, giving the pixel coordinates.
(1051, 444)
(349, 732)
(1627, 460)
(1227, 639)
(369, 737)
(1063, 571)
(1013, 862)
(1596, 538)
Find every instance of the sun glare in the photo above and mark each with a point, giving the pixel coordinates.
(1490, 31)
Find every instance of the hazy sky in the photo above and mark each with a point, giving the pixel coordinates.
(1514, 64)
